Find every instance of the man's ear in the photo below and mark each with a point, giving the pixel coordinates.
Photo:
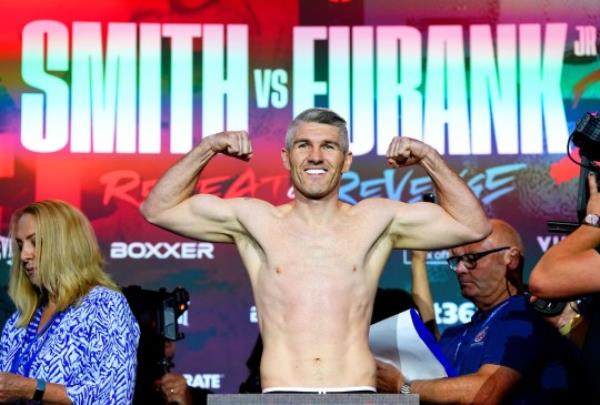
(347, 162)
(285, 158)
(512, 258)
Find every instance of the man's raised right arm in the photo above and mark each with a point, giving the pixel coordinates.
(172, 204)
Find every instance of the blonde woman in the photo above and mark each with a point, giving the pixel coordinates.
(73, 338)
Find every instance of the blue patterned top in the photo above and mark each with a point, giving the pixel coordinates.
(90, 348)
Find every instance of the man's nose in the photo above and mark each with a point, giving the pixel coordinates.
(315, 155)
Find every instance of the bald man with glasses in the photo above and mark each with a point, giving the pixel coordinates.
(501, 354)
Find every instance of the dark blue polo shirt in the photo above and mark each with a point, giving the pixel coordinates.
(515, 336)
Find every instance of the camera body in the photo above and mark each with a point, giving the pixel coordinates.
(587, 136)
(549, 307)
(156, 313)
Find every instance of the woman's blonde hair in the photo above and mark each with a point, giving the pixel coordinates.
(67, 258)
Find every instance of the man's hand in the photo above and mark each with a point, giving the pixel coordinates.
(14, 387)
(593, 205)
(175, 389)
(404, 151)
(389, 378)
(232, 143)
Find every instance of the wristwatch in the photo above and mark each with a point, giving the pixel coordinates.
(405, 389)
(592, 220)
(40, 389)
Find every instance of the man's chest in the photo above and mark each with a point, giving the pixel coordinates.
(344, 243)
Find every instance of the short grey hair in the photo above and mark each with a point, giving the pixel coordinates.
(319, 116)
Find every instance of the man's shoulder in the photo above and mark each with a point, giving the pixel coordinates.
(518, 308)
(519, 319)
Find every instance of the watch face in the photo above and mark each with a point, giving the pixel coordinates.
(592, 219)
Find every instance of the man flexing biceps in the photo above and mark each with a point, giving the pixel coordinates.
(315, 262)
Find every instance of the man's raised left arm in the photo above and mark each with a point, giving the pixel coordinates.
(459, 219)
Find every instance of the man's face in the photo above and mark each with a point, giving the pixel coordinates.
(316, 160)
(486, 281)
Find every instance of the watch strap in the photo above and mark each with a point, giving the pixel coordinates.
(40, 389)
(405, 389)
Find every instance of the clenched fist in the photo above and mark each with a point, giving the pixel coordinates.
(404, 151)
(231, 143)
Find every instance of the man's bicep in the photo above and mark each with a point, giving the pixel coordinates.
(426, 226)
(203, 217)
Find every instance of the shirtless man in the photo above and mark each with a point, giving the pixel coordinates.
(314, 263)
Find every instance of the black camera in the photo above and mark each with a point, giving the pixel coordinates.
(586, 136)
(156, 313)
(549, 308)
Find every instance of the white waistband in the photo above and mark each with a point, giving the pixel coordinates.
(319, 390)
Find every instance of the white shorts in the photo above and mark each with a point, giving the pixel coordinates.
(308, 390)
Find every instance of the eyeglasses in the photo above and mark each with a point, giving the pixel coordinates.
(470, 259)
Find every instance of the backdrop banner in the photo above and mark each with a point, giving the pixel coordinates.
(97, 101)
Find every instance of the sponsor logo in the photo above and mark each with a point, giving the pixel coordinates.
(205, 380)
(433, 257)
(450, 313)
(547, 241)
(162, 250)
(481, 335)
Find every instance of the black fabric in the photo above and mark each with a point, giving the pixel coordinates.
(153, 397)
(389, 302)
(590, 352)
(199, 395)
